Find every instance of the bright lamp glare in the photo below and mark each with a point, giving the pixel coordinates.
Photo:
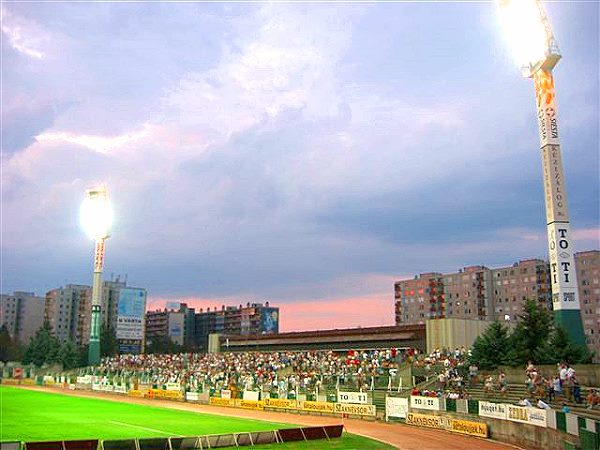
(96, 214)
(525, 31)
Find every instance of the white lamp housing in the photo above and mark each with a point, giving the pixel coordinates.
(96, 214)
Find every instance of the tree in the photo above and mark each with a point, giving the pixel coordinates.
(44, 347)
(83, 352)
(109, 345)
(162, 344)
(564, 349)
(10, 350)
(69, 355)
(490, 349)
(530, 338)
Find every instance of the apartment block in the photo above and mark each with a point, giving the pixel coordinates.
(68, 312)
(587, 265)
(478, 292)
(251, 319)
(123, 308)
(527, 279)
(166, 322)
(23, 314)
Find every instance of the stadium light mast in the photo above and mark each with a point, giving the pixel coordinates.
(532, 40)
(96, 219)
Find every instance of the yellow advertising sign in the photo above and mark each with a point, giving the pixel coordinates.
(471, 428)
(447, 423)
(135, 393)
(424, 420)
(282, 403)
(325, 407)
(359, 410)
(217, 401)
(250, 404)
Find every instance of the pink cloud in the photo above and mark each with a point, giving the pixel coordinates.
(365, 311)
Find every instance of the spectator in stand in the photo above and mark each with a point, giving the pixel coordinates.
(557, 386)
(562, 373)
(592, 399)
(549, 389)
(502, 384)
(530, 368)
(576, 388)
(488, 386)
(473, 373)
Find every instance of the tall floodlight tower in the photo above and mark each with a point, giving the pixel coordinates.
(96, 218)
(532, 40)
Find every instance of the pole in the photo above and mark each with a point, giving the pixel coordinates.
(94, 344)
(565, 297)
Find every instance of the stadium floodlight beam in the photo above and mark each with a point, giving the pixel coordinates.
(531, 37)
(96, 219)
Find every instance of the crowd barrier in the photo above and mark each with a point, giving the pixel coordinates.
(191, 442)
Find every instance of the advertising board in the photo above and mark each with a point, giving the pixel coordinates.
(467, 427)
(250, 404)
(396, 407)
(251, 395)
(281, 403)
(522, 414)
(430, 403)
(269, 322)
(317, 406)
(352, 397)
(493, 410)
(359, 410)
(130, 313)
(425, 420)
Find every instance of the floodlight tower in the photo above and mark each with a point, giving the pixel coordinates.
(534, 45)
(96, 218)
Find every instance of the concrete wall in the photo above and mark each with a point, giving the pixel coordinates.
(520, 434)
(453, 333)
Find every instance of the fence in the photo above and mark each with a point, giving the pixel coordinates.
(191, 442)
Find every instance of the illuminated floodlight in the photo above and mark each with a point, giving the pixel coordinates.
(96, 214)
(529, 34)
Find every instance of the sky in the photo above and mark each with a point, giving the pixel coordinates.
(305, 154)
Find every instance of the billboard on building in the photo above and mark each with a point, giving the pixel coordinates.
(130, 313)
(269, 321)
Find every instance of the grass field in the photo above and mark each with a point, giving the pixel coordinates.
(44, 416)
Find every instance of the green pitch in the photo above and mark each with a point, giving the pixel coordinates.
(44, 416)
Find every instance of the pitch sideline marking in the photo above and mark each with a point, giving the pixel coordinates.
(144, 428)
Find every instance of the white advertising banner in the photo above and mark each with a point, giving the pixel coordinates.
(191, 396)
(86, 379)
(173, 387)
(352, 397)
(226, 393)
(431, 403)
(396, 407)
(251, 395)
(538, 417)
(532, 416)
(493, 410)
